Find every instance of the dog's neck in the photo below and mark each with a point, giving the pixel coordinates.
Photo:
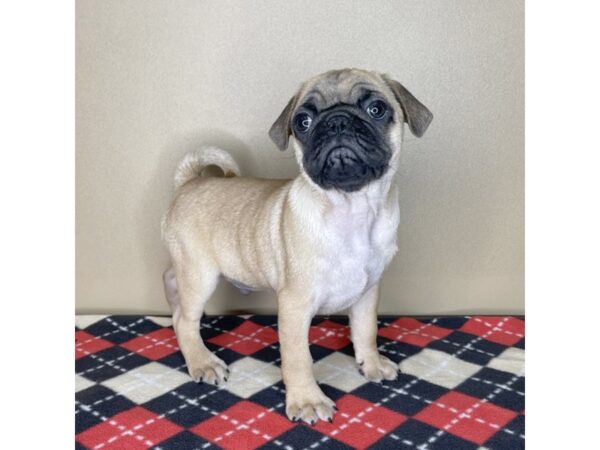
(310, 200)
(374, 193)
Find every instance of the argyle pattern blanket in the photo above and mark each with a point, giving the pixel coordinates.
(461, 386)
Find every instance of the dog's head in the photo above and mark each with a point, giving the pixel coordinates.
(346, 127)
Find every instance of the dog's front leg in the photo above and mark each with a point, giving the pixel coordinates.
(304, 399)
(363, 327)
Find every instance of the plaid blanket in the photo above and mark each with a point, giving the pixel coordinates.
(461, 386)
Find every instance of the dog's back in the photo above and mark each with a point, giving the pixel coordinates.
(221, 219)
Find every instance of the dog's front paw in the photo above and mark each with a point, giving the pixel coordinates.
(309, 405)
(377, 368)
(209, 369)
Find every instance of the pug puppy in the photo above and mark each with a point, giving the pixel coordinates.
(321, 240)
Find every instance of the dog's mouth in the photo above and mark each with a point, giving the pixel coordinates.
(343, 168)
(341, 157)
(343, 163)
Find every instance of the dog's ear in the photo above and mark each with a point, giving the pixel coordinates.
(416, 113)
(282, 128)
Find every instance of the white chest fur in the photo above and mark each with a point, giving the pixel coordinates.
(356, 243)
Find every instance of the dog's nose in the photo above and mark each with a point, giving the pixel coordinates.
(338, 123)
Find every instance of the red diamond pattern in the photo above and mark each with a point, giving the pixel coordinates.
(481, 420)
(413, 332)
(134, 429)
(329, 334)
(248, 338)
(502, 330)
(154, 345)
(245, 425)
(86, 344)
(360, 423)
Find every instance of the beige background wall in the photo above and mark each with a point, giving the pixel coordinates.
(157, 79)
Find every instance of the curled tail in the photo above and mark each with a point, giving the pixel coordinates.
(195, 161)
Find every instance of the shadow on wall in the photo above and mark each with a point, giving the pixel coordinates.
(156, 200)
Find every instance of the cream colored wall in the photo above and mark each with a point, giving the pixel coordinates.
(157, 79)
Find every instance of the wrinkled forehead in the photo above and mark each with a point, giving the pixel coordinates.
(342, 86)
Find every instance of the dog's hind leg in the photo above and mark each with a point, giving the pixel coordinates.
(170, 286)
(187, 296)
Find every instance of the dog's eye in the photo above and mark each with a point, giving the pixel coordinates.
(302, 122)
(377, 109)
